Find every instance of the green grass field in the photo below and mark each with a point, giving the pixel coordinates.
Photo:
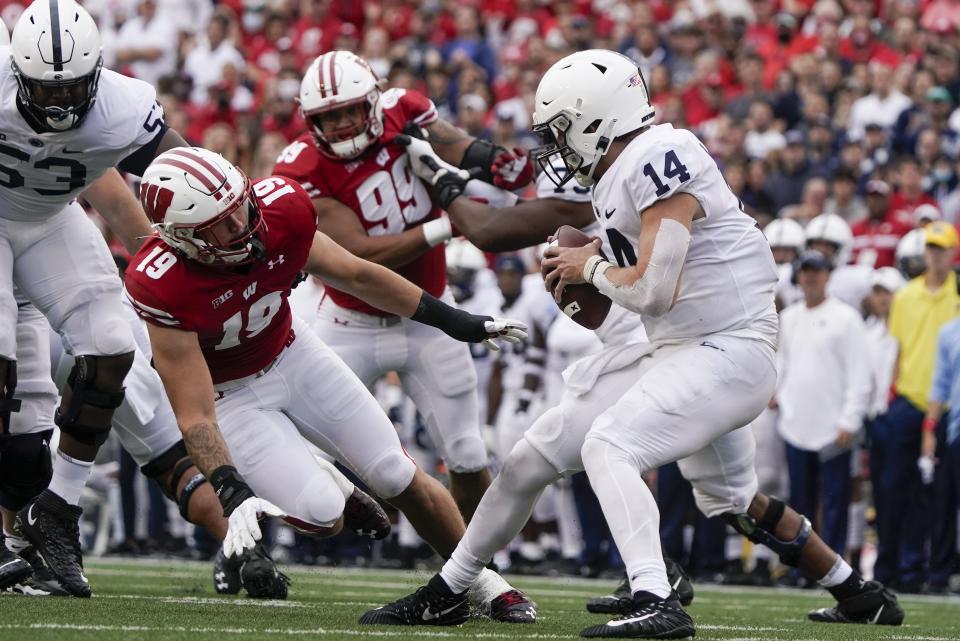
(175, 600)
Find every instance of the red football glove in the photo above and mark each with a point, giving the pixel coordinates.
(512, 170)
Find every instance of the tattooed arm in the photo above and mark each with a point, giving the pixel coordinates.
(186, 378)
(448, 141)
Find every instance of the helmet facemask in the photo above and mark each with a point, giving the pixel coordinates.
(59, 104)
(209, 245)
(349, 141)
(556, 134)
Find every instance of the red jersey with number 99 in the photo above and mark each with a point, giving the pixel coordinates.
(379, 186)
(241, 316)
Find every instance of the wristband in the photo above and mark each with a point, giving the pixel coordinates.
(437, 231)
(929, 425)
(230, 487)
(593, 264)
(479, 155)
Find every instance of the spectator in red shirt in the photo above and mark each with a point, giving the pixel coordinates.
(909, 194)
(875, 237)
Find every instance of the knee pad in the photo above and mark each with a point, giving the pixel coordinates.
(318, 505)
(466, 454)
(391, 474)
(177, 460)
(85, 394)
(762, 531)
(8, 404)
(26, 469)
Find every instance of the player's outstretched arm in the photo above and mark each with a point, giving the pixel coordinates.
(179, 361)
(111, 197)
(505, 168)
(338, 221)
(386, 290)
(650, 287)
(490, 228)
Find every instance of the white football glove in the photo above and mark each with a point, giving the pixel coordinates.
(243, 527)
(418, 150)
(511, 331)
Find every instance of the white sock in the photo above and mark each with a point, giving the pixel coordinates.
(631, 513)
(488, 586)
(15, 542)
(501, 514)
(69, 477)
(346, 485)
(839, 573)
(568, 522)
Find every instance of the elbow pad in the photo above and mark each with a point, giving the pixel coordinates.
(652, 294)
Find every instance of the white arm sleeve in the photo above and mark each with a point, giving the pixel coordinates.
(652, 294)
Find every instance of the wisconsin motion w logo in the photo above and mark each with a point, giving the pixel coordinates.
(155, 201)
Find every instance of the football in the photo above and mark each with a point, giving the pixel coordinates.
(583, 303)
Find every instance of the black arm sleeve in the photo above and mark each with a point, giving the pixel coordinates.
(456, 323)
(137, 162)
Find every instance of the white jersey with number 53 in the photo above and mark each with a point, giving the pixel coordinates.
(729, 277)
(42, 172)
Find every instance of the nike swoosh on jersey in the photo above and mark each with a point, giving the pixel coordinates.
(429, 615)
(31, 519)
(608, 213)
(619, 622)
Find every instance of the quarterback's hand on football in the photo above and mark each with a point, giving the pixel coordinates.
(243, 525)
(563, 266)
(512, 169)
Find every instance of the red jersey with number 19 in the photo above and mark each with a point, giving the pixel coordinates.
(379, 186)
(241, 316)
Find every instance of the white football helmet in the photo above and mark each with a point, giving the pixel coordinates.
(833, 229)
(336, 80)
(583, 102)
(911, 259)
(187, 191)
(464, 260)
(56, 60)
(785, 232)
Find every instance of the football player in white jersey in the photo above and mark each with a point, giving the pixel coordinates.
(550, 448)
(66, 123)
(701, 274)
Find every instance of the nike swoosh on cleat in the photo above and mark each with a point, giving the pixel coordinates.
(877, 617)
(618, 623)
(31, 519)
(676, 583)
(429, 615)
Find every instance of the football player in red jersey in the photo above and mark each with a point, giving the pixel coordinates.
(212, 284)
(369, 201)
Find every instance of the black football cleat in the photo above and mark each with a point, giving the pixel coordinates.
(513, 606)
(661, 619)
(252, 570)
(679, 581)
(363, 516)
(874, 604)
(621, 600)
(13, 569)
(431, 604)
(42, 582)
(53, 527)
